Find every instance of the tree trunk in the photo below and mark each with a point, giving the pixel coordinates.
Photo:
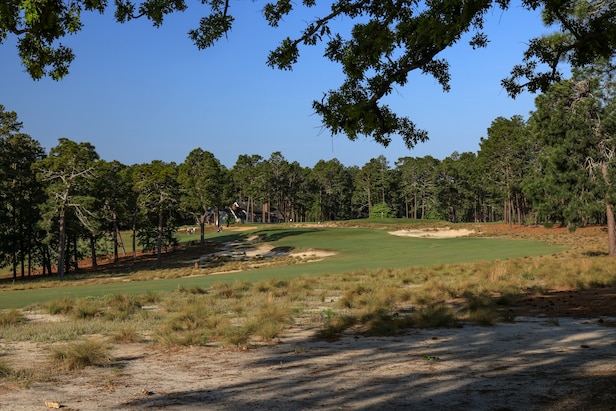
(611, 230)
(202, 228)
(61, 243)
(159, 240)
(93, 251)
(115, 238)
(75, 253)
(135, 234)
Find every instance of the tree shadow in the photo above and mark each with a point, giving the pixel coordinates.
(276, 234)
(529, 365)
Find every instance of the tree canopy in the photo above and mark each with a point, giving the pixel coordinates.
(388, 40)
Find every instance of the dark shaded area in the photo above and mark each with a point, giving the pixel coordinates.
(589, 303)
(278, 234)
(542, 373)
(174, 258)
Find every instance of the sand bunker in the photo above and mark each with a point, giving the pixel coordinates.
(252, 250)
(434, 233)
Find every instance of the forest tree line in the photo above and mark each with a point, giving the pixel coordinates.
(556, 167)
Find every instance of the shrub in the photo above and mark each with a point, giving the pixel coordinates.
(381, 210)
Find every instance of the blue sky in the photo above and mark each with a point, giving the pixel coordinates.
(140, 93)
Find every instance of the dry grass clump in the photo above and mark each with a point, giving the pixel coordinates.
(271, 319)
(80, 354)
(126, 334)
(435, 316)
(121, 307)
(63, 305)
(5, 369)
(334, 324)
(11, 317)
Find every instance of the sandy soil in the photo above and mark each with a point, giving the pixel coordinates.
(434, 233)
(559, 354)
(533, 364)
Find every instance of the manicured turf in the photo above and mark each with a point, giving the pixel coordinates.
(356, 249)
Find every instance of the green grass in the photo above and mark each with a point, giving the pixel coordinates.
(357, 249)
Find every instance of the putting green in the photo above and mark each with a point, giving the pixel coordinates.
(355, 248)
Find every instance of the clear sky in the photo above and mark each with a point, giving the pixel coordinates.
(140, 93)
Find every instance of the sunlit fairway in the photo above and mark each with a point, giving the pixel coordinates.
(355, 249)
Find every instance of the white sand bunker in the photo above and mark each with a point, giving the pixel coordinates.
(445, 232)
(253, 251)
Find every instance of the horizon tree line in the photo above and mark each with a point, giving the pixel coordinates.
(557, 167)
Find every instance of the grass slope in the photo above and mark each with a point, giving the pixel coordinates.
(356, 249)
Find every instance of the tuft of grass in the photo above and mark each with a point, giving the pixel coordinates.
(352, 297)
(434, 316)
(239, 335)
(271, 319)
(121, 307)
(187, 326)
(266, 329)
(150, 297)
(63, 306)
(484, 316)
(188, 338)
(6, 370)
(81, 354)
(192, 290)
(223, 290)
(11, 317)
(86, 308)
(127, 334)
(379, 323)
(334, 326)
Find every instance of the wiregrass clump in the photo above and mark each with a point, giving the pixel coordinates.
(5, 369)
(80, 354)
(11, 317)
(63, 305)
(126, 334)
(121, 307)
